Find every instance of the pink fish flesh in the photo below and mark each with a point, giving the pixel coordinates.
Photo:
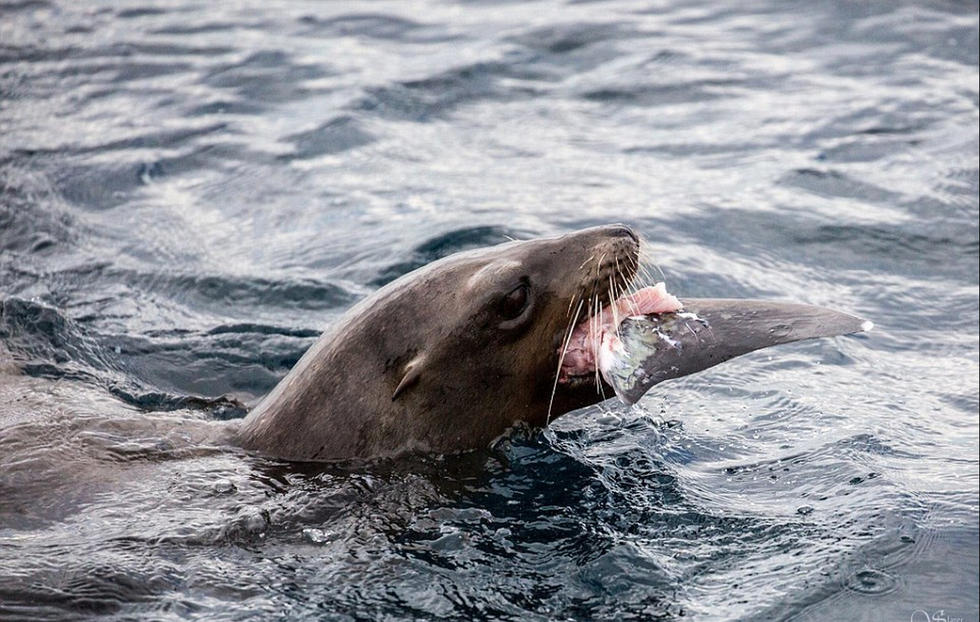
(594, 340)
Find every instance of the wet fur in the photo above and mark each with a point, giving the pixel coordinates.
(426, 364)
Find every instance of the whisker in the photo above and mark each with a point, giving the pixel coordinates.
(634, 267)
(571, 301)
(647, 262)
(628, 291)
(618, 288)
(615, 310)
(641, 267)
(597, 343)
(561, 357)
(597, 324)
(598, 266)
(649, 277)
(625, 288)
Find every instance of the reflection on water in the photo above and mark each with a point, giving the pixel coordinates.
(190, 193)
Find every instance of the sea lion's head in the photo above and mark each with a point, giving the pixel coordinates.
(484, 329)
(451, 355)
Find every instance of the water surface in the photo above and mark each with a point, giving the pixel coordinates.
(190, 192)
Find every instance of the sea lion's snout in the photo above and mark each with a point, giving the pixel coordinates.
(606, 259)
(618, 236)
(622, 231)
(617, 249)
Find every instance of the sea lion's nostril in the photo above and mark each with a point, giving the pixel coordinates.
(622, 231)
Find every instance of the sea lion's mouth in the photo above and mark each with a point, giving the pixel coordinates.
(579, 354)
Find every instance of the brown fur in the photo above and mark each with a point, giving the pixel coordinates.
(429, 363)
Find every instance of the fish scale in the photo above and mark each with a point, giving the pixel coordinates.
(646, 350)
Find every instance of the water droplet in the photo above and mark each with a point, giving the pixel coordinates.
(870, 581)
(223, 486)
(779, 331)
(316, 536)
(804, 510)
(254, 521)
(867, 325)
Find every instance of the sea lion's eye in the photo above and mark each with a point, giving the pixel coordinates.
(513, 304)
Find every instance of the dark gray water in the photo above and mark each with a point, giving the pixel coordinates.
(190, 192)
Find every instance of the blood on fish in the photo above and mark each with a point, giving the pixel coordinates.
(580, 355)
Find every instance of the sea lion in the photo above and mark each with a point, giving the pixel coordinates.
(450, 356)
(447, 357)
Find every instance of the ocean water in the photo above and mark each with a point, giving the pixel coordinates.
(190, 192)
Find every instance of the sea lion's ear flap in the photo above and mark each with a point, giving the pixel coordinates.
(413, 371)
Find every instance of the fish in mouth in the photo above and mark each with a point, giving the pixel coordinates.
(593, 338)
(647, 336)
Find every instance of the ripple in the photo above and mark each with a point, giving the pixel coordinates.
(871, 581)
(445, 244)
(32, 218)
(375, 26)
(428, 98)
(190, 192)
(267, 76)
(334, 136)
(837, 184)
(565, 38)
